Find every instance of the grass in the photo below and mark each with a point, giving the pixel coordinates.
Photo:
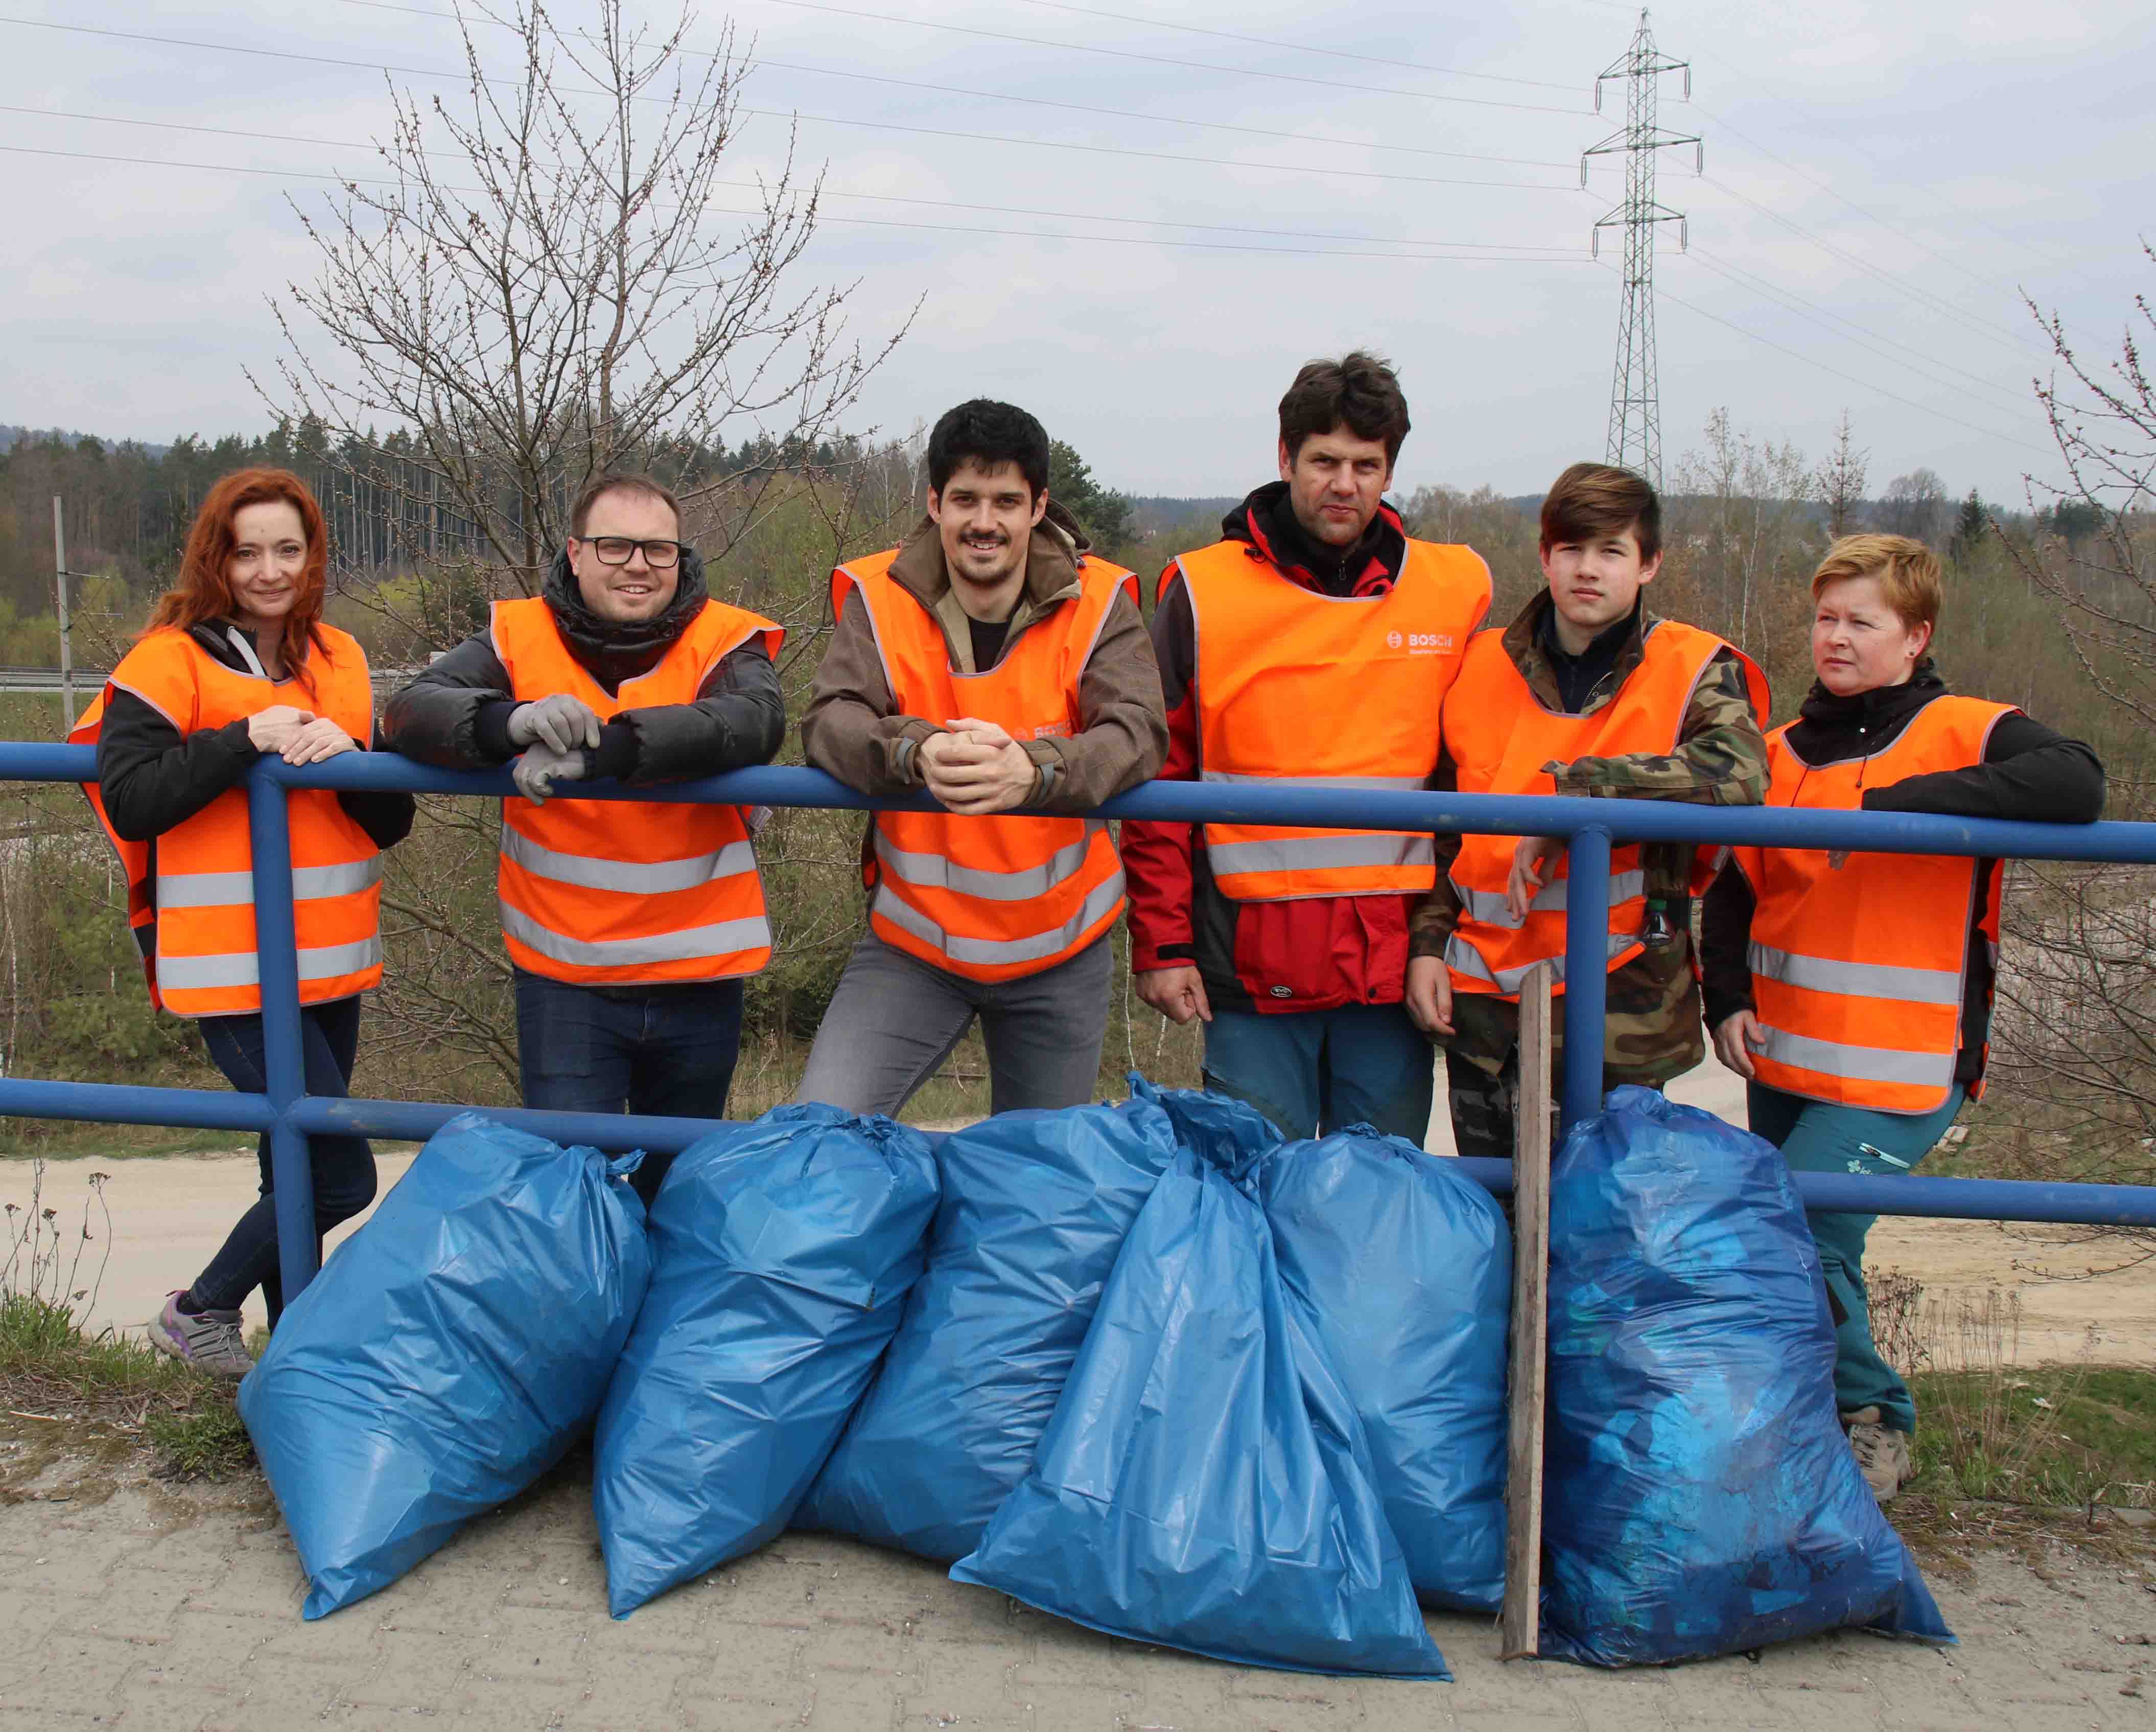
(96, 1397)
(2079, 1436)
(2076, 1436)
(69, 1139)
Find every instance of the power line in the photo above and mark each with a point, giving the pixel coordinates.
(1982, 327)
(1976, 217)
(1077, 216)
(1289, 78)
(1806, 308)
(1894, 229)
(974, 93)
(1486, 253)
(1099, 150)
(1853, 378)
(1301, 48)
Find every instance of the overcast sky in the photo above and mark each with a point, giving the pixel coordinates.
(1882, 182)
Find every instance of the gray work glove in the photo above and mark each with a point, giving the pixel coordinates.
(541, 767)
(560, 722)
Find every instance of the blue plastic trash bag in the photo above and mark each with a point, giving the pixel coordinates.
(1229, 1135)
(449, 1354)
(1407, 1268)
(1205, 1482)
(781, 1254)
(1035, 1206)
(1699, 1496)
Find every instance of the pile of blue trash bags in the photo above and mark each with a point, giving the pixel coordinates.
(1150, 1367)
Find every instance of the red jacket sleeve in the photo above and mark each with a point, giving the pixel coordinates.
(1157, 855)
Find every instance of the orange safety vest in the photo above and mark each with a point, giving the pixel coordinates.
(1300, 690)
(1858, 972)
(1500, 736)
(599, 895)
(201, 898)
(990, 899)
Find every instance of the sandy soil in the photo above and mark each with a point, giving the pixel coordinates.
(170, 1214)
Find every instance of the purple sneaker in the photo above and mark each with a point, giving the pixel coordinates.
(210, 1340)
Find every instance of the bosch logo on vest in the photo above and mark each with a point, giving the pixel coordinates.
(1422, 643)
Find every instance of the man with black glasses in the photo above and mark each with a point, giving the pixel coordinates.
(628, 929)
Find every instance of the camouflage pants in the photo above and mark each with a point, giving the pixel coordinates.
(1652, 1032)
(1486, 1109)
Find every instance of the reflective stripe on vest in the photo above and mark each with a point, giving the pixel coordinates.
(241, 969)
(1489, 908)
(656, 877)
(990, 899)
(1499, 736)
(1271, 655)
(1018, 886)
(201, 897)
(1103, 903)
(1466, 962)
(1929, 1071)
(1324, 853)
(229, 890)
(1859, 969)
(1855, 979)
(597, 896)
(692, 945)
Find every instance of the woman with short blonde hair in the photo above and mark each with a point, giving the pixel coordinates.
(1853, 991)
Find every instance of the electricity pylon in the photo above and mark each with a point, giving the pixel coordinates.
(1636, 413)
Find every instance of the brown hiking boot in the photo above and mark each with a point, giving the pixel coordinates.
(1882, 1452)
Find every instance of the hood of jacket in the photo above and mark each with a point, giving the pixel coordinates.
(618, 650)
(1829, 729)
(1266, 521)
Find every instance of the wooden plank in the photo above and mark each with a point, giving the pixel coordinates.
(1520, 1624)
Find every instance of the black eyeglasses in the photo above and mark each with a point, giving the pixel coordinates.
(615, 549)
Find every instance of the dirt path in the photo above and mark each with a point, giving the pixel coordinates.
(140, 1607)
(170, 1214)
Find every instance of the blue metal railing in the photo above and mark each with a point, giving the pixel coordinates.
(290, 1115)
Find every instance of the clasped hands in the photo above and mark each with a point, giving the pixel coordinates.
(556, 733)
(297, 736)
(973, 767)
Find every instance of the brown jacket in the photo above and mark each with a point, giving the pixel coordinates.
(853, 728)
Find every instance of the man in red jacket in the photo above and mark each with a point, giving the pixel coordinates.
(1311, 647)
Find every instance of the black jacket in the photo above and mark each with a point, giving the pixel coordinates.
(456, 713)
(2029, 774)
(151, 779)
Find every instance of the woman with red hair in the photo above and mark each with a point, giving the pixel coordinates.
(237, 662)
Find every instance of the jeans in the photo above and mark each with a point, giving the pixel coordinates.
(343, 1167)
(665, 1050)
(895, 1019)
(1316, 1070)
(1821, 1137)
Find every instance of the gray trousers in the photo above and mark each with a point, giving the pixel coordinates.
(894, 1020)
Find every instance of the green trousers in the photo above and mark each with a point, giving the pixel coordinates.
(1820, 1137)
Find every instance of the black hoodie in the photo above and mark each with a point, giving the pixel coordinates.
(456, 713)
(2029, 774)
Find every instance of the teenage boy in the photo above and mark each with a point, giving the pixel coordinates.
(1587, 692)
(628, 929)
(993, 660)
(1311, 647)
